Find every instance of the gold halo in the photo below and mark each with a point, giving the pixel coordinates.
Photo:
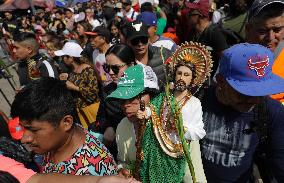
(198, 55)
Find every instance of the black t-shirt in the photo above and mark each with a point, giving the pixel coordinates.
(214, 40)
(110, 112)
(45, 67)
(88, 51)
(10, 25)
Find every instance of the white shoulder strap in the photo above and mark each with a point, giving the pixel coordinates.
(49, 69)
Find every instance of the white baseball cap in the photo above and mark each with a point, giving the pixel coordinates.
(71, 49)
(79, 17)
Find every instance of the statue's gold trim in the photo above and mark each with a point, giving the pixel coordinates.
(198, 55)
(170, 148)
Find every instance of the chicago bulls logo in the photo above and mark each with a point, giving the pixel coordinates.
(258, 64)
(137, 27)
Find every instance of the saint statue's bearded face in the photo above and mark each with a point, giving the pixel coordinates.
(183, 78)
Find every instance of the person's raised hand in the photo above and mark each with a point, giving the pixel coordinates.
(141, 115)
(63, 76)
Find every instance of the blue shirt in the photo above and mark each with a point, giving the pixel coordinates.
(227, 152)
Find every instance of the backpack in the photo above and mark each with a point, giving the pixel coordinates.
(231, 36)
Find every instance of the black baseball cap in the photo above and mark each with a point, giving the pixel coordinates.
(258, 5)
(136, 29)
(100, 31)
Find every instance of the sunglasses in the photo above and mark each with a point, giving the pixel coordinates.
(136, 41)
(115, 68)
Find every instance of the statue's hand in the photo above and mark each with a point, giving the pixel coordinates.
(141, 115)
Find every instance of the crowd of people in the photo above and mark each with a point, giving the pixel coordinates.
(155, 91)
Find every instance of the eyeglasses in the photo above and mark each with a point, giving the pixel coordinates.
(115, 68)
(136, 41)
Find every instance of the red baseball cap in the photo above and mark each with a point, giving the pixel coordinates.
(100, 31)
(91, 33)
(16, 130)
(201, 6)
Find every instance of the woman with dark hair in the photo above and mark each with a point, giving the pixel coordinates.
(114, 29)
(83, 40)
(83, 27)
(82, 80)
(58, 26)
(118, 58)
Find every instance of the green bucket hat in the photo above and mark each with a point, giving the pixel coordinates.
(134, 81)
